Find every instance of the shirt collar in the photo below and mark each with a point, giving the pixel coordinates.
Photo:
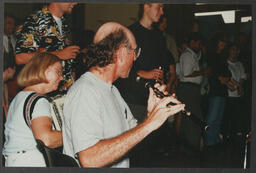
(99, 82)
(231, 63)
(197, 56)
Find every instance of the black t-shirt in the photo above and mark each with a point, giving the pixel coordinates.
(219, 67)
(154, 53)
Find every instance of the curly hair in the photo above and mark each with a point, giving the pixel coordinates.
(103, 53)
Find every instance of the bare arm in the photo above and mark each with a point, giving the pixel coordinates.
(23, 58)
(42, 129)
(156, 74)
(108, 151)
(64, 54)
(172, 78)
(8, 73)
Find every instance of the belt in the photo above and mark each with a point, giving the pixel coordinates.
(21, 152)
(18, 152)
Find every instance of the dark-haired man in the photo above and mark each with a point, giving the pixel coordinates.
(188, 90)
(47, 30)
(99, 128)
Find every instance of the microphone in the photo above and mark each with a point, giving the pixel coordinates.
(150, 84)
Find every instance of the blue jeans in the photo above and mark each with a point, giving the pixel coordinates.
(214, 118)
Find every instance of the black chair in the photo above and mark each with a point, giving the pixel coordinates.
(54, 158)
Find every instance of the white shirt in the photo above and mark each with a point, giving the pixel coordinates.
(18, 135)
(189, 62)
(237, 70)
(6, 45)
(58, 21)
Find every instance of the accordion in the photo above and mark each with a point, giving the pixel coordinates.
(56, 100)
(57, 103)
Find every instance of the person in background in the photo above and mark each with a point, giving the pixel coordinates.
(47, 30)
(9, 42)
(170, 41)
(154, 62)
(170, 75)
(219, 82)
(205, 84)
(235, 121)
(41, 75)
(189, 91)
(101, 130)
(147, 65)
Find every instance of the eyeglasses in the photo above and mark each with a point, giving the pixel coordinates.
(136, 51)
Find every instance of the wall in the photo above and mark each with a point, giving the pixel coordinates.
(97, 14)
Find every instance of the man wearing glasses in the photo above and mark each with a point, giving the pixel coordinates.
(100, 130)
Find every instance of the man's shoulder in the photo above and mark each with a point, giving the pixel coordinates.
(135, 27)
(38, 16)
(85, 84)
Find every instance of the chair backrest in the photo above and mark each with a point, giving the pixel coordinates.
(54, 158)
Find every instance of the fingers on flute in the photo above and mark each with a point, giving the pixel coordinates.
(151, 92)
(166, 100)
(160, 87)
(176, 108)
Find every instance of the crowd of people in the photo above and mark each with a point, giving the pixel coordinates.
(109, 115)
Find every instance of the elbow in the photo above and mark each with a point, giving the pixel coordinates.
(87, 161)
(19, 60)
(48, 141)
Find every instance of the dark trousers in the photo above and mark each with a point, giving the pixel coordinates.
(235, 118)
(190, 133)
(157, 141)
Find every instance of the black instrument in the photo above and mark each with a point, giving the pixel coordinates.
(150, 84)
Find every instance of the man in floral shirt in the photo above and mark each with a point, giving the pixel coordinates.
(47, 30)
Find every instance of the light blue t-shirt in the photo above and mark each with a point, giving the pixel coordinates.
(94, 110)
(18, 136)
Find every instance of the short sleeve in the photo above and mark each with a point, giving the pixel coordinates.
(27, 37)
(42, 108)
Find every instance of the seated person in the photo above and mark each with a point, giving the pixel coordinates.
(41, 75)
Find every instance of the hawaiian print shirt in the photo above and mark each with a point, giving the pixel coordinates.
(40, 31)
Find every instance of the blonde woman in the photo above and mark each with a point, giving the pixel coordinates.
(41, 75)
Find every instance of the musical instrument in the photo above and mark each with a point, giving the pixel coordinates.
(57, 103)
(150, 84)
